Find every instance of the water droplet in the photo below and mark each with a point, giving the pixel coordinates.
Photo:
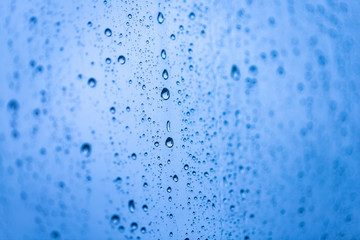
(86, 149)
(145, 208)
(165, 94)
(112, 110)
(92, 82)
(13, 105)
(192, 16)
(115, 219)
(121, 60)
(121, 229)
(168, 189)
(131, 206)
(108, 60)
(186, 167)
(172, 37)
(133, 226)
(168, 126)
(133, 156)
(235, 72)
(169, 142)
(108, 32)
(156, 144)
(175, 178)
(143, 230)
(160, 18)
(163, 54)
(130, 16)
(165, 74)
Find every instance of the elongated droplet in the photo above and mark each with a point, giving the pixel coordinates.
(168, 126)
(160, 18)
(131, 206)
(165, 94)
(235, 72)
(169, 142)
(163, 54)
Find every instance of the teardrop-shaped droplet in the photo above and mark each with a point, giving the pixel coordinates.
(169, 142)
(86, 149)
(163, 54)
(235, 72)
(165, 94)
(168, 126)
(160, 18)
(165, 74)
(108, 32)
(131, 206)
(121, 60)
(168, 189)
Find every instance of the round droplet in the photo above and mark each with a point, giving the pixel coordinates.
(186, 167)
(165, 94)
(112, 110)
(131, 206)
(168, 189)
(163, 54)
(133, 226)
(108, 60)
(121, 60)
(108, 32)
(143, 230)
(92, 82)
(172, 37)
(235, 72)
(192, 16)
(169, 142)
(160, 18)
(115, 219)
(133, 156)
(168, 126)
(13, 105)
(175, 178)
(121, 229)
(165, 74)
(86, 149)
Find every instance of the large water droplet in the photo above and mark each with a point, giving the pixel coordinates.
(108, 32)
(165, 74)
(169, 142)
(131, 206)
(163, 54)
(92, 82)
(165, 94)
(86, 149)
(160, 18)
(121, 59)
(235, 72)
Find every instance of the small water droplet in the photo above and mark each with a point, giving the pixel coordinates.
(13, 105)
(115, 219)
(168, 126)
(165, 94)
(169, 142)
(160, 18)
(168, 189)
(186, 167)
(92, 82)
(192, 16)
(235, 72)
(131, 206)
(86, 149)
(112, 110)
(133, 156)
(165, 74)
(121, 229)
(175, 178)
(121, 60)
(143, 230)
(108, 32)
(172, 37)
(145, 208)
(163, 54)
(108, 60)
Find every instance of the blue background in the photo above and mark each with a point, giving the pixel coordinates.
(264, 114)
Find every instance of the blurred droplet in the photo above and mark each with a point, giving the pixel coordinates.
(86, 149)
(92, 82)
(115, 219)
(235, 72)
